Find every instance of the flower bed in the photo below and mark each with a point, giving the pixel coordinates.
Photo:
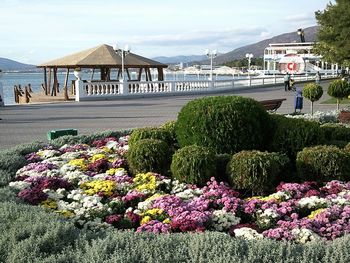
(91, 185)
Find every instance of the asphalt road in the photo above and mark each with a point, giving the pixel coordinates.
(26, 123)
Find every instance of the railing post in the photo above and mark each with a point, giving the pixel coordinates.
(274, 76)
(211, 85)
(250, 81)
(171, 86)
(124, 87)
(79, 90)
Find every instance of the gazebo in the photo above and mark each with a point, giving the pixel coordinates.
(104, 58)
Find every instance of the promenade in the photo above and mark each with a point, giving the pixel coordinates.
(27, 123)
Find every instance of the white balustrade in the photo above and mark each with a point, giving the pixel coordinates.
(133, 88)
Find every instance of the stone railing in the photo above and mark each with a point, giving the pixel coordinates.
(105, 90)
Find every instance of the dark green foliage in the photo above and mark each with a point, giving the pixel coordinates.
(256, 171)
(323, 163)
(333, 32)
(292, 135)
(150, 133)
(340, 144)
(335, 131)
(193, 164)
(227, 124)
(221, 163)
(149, 155)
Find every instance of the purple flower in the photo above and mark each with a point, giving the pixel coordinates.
(154, 226)
(33, 195)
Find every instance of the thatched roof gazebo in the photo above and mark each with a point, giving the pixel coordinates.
(104, 58)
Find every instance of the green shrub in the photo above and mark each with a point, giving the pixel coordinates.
(312, 92)
(339, 89)
(193, 164)
(334, 131)
(291, 135)
(150, 133)
(255, 171)
(323, 163)
(170, 127)
(227, 124)
(340, 144)
(149, 155)
(221, 163)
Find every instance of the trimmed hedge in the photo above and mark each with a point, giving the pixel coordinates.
(193, 165)
(292, 135)
(333, 131)
(149, 155)
(150, 133)
(323, 163)
(227, 124)
(256, 171)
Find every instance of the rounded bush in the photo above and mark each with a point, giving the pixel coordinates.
(291, 135)
(312, 91)
(227, 124)
(339, 89)
(333, 131)
(149, 133)
(193, 164)
(323, 163)
(169, 126)
(149, 155)
(256, 171)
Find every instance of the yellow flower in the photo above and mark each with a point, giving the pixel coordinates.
(145, 182)
(107, 187)
(111, 171)
(65, 213)
(145, 220)
(81, 163)
(167, 221)
(98, 156)
(315, 213)
(154, 212)
(50, 204)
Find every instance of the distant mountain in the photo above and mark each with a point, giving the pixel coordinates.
(257, 49)
(179, 59)
(11, 65)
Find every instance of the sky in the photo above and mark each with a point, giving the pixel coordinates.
(36, 31)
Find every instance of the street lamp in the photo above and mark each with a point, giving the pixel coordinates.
(211, 54)
(122, 53)
(301, 34)
(249, 56)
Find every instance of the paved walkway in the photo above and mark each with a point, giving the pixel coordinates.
(26, 123)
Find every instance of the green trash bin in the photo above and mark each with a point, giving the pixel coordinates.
(51, 135)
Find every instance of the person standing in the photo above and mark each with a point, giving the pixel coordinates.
(287, 82)
(318, 78)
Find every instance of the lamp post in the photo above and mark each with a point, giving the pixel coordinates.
(211, 54)
(249, 56)
(326, 67)
(122, 53)
(301, 34)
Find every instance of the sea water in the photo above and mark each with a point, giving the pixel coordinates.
(9, 80)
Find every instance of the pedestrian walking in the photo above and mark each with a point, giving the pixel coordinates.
(286, 82)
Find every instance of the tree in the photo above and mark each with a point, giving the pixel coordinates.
(334, 32)
(339, 89)
(312, 92)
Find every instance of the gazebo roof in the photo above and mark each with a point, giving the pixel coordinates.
(102, 56)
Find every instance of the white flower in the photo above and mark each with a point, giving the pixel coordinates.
(303, 235)
(189, 193)
(112, 145)
(313, 202)
(223, 220)
(55, 195)
(19, 185)
(247, 233)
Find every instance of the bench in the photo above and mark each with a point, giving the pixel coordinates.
(272, 105)
(51, 135)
